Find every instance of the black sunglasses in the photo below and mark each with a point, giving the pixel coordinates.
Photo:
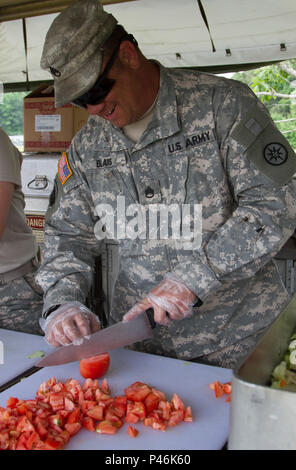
(103, 85)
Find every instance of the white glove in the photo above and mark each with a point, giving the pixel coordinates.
(69, 324)
(171, 296)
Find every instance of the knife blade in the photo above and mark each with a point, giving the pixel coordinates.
(113, 337)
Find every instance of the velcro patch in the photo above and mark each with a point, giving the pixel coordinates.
(64, 170)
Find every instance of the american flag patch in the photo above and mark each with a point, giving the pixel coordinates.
(64, 169)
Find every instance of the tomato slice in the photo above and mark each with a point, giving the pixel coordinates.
(94, 367)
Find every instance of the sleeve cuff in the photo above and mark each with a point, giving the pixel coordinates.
(197, 277)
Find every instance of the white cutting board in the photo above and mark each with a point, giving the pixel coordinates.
(190, 381)
(14, 349)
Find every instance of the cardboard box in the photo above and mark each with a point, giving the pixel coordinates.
(46, 128)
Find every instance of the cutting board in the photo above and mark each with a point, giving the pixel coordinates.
(15, 347)
(208, 431)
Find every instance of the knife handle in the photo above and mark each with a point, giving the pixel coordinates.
(150, 315)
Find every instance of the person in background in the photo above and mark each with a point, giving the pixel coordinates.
(20, 296)
(159, 136)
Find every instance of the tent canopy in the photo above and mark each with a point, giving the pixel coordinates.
(215, 35)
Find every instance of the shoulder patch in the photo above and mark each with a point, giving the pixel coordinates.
(64, 170)
(266, 146)
(275, 153)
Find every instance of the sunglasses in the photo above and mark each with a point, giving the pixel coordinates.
(103, 85)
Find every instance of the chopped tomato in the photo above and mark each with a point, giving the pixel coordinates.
(94, 367)
(11, 402)
(73, 417)
(105, 387)
(4, 440)
(131, 417)
(158, 424)
(56, 400)
(73, 428)
(165, 408)
(22, 441)
(41, 427)
(24, 425)
(60, 410)
(96, 413)
(177, 403)
(69, 405)
(151, 402)
(106, 427)
(118, 408)
(188, 415)
(221, 388)
(88, 423)
(133, 432)
(218, 388)
(34, 441)
(139, 410)
(227, 388)
(51, 443)
(176, 417)
(138, 391)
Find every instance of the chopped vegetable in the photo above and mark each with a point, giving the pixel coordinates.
(221, 389)
(36, 354)
(60, 410)
(133, 432)
(284, 374)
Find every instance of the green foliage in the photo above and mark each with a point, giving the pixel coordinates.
(273, 79)
(11, 113)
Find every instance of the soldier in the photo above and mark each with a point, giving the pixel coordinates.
(20, 297)
(160, 138)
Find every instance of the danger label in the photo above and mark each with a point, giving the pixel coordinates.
(35, 222)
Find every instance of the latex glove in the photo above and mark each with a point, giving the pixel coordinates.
(69, 324)
(171, 296)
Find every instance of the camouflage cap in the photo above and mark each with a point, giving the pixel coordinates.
(73, 51)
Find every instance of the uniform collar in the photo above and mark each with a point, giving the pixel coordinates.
(165, 121)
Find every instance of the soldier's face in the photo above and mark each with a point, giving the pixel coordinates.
(127, 100)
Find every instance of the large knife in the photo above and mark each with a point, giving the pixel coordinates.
(113, 337)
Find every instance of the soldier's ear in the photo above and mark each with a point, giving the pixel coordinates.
(129, 55)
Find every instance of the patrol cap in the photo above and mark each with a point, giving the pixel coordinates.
(73, 48)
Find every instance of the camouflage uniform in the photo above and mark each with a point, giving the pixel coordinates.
(211, 143)
(21, 304)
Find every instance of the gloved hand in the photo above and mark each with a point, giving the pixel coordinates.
(171, 296)
(69, 324)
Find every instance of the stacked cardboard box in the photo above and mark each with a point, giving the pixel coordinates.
(46, 128)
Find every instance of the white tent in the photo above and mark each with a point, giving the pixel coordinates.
(230, 35)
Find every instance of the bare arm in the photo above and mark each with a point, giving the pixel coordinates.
(6, 192)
